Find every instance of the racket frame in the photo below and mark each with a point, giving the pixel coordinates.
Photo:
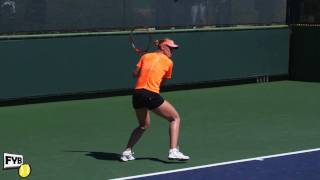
(140, 51)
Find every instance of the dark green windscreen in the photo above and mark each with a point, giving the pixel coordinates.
(305, 55)
(41, 67)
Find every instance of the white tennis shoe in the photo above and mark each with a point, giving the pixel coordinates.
(127, 156)
(175, 154)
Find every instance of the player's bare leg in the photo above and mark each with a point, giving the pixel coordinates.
(167, 111)
(143, 117)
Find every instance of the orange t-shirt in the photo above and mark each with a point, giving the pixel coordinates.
(153, 68)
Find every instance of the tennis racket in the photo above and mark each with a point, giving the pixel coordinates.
(140, 41)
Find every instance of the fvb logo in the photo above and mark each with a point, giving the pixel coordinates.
(12, 161)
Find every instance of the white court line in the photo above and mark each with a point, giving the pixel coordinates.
(261, 158)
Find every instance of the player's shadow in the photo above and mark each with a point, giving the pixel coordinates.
(107, 156)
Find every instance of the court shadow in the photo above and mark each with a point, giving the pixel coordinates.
(107, 156)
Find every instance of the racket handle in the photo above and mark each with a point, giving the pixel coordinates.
(138, 51)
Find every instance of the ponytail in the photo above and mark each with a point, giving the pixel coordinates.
(156, 43)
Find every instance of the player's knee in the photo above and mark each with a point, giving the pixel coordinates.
(175, 118)
(144, 128)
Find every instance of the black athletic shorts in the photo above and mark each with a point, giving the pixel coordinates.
(143, 98)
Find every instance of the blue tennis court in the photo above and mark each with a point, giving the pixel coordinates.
(288, 166)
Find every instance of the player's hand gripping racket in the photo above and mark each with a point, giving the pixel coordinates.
(140, 41)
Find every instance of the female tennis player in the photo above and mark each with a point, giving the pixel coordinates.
(152, 71)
